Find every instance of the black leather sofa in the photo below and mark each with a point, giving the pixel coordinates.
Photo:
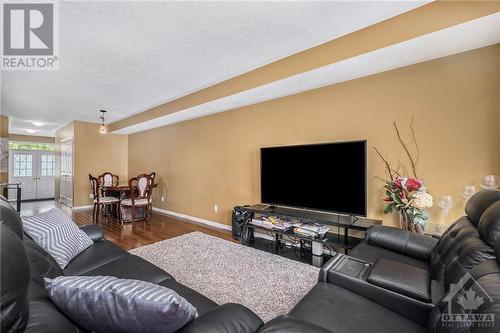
(397, 281)
(26, 307)
(341, 302)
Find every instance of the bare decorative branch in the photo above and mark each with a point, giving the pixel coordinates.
(406, 149)
(414, 138)
(403, 167)
(390, 172)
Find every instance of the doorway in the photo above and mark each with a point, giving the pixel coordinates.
(35, 170)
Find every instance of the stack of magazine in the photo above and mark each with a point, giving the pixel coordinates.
(274, 223)
(311, 230)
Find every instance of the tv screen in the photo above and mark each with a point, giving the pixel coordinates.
(329, 177)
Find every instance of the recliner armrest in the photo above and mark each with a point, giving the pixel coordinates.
(93, 231)
(226, 318)
(402, 241)
(413, 309)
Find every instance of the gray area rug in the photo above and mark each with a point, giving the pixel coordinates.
(268, 284)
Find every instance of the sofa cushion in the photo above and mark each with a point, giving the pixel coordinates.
(342, 311)
(291, 325)
(227, 318)
(451, 243)
(201, 303)
(497, 249)
(403, 279)
(95, 256)
(57, 234)
(479, 202)
(472, 252)
(401, 241)
(131, 267)
(489, 224)
(44, 316)
(371, 254)
(109, 304)
(41, 262)
(93, 231)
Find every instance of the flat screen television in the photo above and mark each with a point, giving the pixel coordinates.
(327, 177)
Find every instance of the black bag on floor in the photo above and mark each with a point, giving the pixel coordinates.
(240, 219)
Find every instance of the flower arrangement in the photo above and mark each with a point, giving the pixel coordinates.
(406, 195)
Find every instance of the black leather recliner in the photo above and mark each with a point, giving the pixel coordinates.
(26, 307)
(426, 267)
(411, 281)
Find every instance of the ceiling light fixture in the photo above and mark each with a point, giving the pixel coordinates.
(31, 131)
(102, 128)
(38, 124)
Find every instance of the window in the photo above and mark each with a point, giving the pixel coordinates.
(31, 146)
(47, 165)
(23, 165)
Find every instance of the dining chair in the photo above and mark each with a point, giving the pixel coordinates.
(108, 179)
(99, 200)
(141, 185)
(152, 175)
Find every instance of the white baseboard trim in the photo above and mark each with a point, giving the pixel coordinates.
(207, 222)
(192, 218)
(82, 207)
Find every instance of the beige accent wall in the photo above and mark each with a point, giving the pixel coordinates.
(31, 138)
(454, 101)
(96, 153)
(4, 133)
(432, 17)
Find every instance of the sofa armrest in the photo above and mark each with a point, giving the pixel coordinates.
(402, 241)
(226, 318)
(286, 324)
(323, 272)
(410, 308)
(93, 231)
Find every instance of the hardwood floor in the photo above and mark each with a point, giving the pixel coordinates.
(135, 235)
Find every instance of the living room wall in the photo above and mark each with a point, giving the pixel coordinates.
(96, 153)
(454, 102)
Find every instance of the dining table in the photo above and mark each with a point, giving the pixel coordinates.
(122, 191)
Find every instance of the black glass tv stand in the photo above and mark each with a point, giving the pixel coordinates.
(342, 224)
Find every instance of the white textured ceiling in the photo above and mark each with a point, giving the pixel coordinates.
(471, 35)
(129, 56)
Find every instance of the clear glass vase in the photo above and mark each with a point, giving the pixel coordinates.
(406, 223)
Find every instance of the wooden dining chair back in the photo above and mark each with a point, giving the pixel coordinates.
(152, 175)
(141, 188)
(109, 179)
(94, 186)
(100, 201)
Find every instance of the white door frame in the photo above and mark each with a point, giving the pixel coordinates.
(36, 183)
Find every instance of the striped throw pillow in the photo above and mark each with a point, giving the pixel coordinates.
(57, 234)
(108, 304)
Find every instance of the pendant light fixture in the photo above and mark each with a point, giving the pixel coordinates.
(102, 128)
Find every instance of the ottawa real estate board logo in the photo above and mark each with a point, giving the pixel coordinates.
(30, 36)
(465, 305)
